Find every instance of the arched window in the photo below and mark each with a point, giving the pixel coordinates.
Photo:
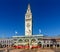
(39, 44)
(20, 40)
(39, 39)
(7, 41)
(26, 40)
(3, 41)
(33, 40)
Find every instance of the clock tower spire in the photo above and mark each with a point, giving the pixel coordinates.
(28, 22)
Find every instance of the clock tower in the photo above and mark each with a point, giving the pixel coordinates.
(28, 22)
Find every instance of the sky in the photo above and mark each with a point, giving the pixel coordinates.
(46, 17)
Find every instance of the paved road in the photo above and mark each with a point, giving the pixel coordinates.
(57, 51)
(1, 50)
(33, 50)
(28, 50)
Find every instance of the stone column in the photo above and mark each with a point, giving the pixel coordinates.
(42, 44)
(56, 46)
(30, 43)
(46, 43)
(49, 44)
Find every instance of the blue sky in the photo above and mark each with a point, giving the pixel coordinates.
(46, 16)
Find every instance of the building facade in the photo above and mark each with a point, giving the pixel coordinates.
(35, 40)
(29, 39)
(6, 42)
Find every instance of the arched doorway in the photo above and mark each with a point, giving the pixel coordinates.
(39, 44)
(26, 41)
(33, 40)
(26, 46)
(20, 42)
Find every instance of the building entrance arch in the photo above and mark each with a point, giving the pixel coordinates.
(39, 44)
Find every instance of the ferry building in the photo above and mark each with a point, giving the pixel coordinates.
(34, 40)
(29, 38)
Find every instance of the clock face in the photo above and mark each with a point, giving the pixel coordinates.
(28, 16)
